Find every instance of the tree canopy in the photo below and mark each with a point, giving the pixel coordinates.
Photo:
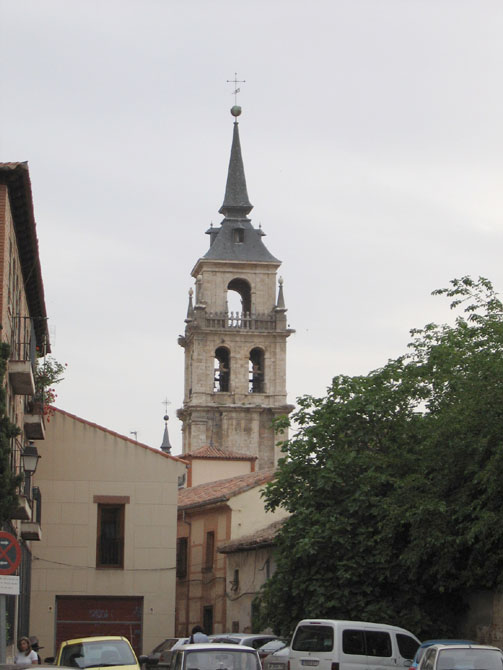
(394, 482)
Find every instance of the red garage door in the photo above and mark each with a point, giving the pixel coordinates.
(84, 616)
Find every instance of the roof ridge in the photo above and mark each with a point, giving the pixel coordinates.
(115, 434)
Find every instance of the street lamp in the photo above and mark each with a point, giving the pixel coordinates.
(30, 458)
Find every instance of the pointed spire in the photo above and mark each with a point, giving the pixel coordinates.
(236, 203)
(281, 299)
(166, 445)
(190, 308)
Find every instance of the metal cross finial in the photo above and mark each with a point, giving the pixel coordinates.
(236, 90)
(166, 402)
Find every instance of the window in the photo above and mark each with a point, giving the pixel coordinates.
(110, 540)
(235, 627)
(407, 646)
(256, 371)
(238, 235)
(313, 638)
(209, 553)
(208, 619)
(429, 659)
(235, 585)
(353, 642)
(378, 643)
(222, 370)
(181, 557)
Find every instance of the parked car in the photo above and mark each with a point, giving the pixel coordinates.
(166, 645)
(270, 647)
(215, 656)
(461, 657)
(254, 640)
(428, 643)
(278, 660)
(98, 652)
(350, 645)
(165, 656)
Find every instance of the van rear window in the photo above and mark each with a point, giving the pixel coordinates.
(313, 638)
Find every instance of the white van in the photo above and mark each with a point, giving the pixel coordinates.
(328, 644)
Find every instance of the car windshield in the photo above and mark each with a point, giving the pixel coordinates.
(470, 659)
(221, 659)
(99, 653)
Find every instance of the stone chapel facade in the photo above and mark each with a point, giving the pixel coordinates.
(235, 361)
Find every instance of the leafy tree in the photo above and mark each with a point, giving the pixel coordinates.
(8, 480)
(393, 482)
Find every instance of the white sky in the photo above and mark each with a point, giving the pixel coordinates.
(372, 137)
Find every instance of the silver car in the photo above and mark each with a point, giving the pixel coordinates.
(215, 656)
(461, 657)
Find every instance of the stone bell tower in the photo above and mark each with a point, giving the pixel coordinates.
(235, 361)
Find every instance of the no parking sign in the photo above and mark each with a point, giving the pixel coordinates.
(10, 553)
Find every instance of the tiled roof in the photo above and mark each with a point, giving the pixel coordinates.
(261, 538)
(218, 453)
(222, 490)
(114, 434)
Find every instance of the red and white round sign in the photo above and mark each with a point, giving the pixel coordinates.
(10, 553)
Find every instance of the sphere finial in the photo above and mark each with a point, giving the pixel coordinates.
(236, 110)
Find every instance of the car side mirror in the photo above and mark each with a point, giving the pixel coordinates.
(143, 659)
(49, 659)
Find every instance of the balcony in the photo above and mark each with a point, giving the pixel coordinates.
(31, 530)
(21, 377)
(34, 428)
(23, 509)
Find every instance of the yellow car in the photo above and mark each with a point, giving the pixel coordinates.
(98, 652)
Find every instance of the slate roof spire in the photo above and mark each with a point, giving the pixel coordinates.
(166, 444)
(236, 239)
(236, 202)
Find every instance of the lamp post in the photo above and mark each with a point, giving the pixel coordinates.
(30, 458)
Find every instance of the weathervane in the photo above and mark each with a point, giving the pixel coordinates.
(236, 90)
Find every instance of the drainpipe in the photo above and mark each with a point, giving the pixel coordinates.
(189, 563)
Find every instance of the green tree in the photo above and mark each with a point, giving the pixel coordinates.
(393, 482)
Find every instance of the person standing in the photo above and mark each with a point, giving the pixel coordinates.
(36, 647)
(198, 635)
(25, 652)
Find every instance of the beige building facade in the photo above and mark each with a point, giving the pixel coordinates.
(211, 515)
(250, 563)
(106, 562)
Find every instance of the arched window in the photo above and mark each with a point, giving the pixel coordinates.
(256, 369)
(222, 370)
(243, 289)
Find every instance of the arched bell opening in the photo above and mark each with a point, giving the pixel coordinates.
(256, 371)
(222, 370)
(240, 296)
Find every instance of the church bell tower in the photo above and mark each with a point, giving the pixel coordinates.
(235, 361)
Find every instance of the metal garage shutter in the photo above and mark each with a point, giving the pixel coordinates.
(84, 616)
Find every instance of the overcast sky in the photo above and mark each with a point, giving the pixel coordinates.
(372, 137)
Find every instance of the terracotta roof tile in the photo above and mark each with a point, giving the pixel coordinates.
(222, 490)
(261, 538)
(209, 451)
